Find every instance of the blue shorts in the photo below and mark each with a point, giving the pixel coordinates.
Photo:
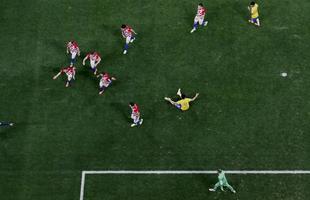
(178, 106)
(254, 20)
(93, 69)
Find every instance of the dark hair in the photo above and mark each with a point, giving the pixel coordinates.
(219, 170)
(200, 4)
(123, 26)
(252, 3)
(131, 103)
(183, 96)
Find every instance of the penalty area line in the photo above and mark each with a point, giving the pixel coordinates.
(172, 172)
(198, 172)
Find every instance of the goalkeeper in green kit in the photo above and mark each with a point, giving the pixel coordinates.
(222, 182)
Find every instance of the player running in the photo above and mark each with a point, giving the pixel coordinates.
(182, 102)
(70, 72)
(135, 115)
(222, 181)
(94, 59)
(129, 34)
(104, 82)
(200, 17)
(74, 50)
(253, 8)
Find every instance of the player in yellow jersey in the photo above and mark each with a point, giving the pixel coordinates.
(253, 8)
(183, 102)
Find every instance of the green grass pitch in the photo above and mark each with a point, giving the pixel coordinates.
(246, 117)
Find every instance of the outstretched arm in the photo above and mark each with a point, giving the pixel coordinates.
(195, 97)
(134, 32)
(57, 75)
(99, 60)
(85, 60)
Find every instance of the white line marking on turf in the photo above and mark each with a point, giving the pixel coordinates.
(82, 186)
(171, 172)
(198, 172)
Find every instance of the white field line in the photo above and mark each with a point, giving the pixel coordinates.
(82, 185)
(198, 172)
(171, 172)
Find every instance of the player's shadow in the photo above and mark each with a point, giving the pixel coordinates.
(122, 109)
(207, 180)
(109, 59)
(240, 9)
(57, 45)
(114, 30)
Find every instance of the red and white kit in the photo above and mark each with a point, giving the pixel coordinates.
(73, 48)
(105, 80)
(135, 113)
(70, 72)
(127, 33)
(93, 58)
(200, 16)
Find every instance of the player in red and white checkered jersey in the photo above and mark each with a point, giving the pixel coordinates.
(105, 81)
(69, 71)
(200, 17)
(73, 49)
(94, 59)
(129, 34)
(135, 114)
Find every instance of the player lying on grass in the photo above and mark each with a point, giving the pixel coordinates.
(253, 8)
(6, 123)
(70, 72)
(135, 115)
(105, 82)
(74, 50)
(200, 17)
(129, 34)
(222, 182)
(94, 59)
(182, 102)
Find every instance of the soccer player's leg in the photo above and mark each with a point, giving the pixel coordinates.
(196, 23)
(215, 187)
(93, 67)
(257, 22)
(6, 124)
(69, 80)
(101, 90)
(132, 38)
(136, 120)
(204, 22)
(126, 46)
(73, 57)
(230, 188)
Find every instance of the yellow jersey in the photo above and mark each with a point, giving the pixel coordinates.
(254, 11)
(184, 103)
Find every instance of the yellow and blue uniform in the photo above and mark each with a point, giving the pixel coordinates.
(254, 12)
(183, 104)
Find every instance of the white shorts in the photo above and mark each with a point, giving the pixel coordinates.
(199, 19)
(73, 55)
(135, 118)
(92, 64)
(102, 84)
(128, 39)
(70, 77)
